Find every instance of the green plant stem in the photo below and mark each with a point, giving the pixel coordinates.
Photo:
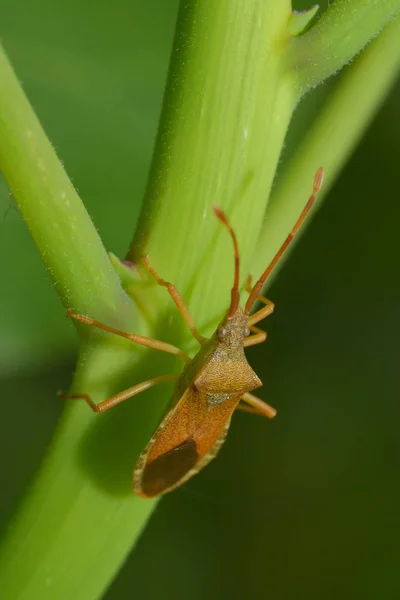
(226, 112)
(343, 30)
(332, 137)
(58, 221)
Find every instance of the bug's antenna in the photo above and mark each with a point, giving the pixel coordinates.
(235, 289)
(319, 176)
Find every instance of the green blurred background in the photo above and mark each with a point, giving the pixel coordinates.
(306, 506)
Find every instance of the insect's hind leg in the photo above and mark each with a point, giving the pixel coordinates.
(120, 397)
(177, 298)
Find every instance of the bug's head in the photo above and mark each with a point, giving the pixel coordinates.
(233, 330)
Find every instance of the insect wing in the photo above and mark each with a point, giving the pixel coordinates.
(189, 437)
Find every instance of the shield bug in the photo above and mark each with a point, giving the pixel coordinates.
(212, 385)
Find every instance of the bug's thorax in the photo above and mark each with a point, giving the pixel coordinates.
(226, 370)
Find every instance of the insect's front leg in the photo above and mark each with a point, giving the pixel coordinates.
(121, 396)
(264, 312)
(177, 298)
(142, 340)
(258, 337)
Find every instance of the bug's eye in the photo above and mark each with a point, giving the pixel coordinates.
(247, 331)
(221, 333)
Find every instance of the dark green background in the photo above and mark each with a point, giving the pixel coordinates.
(306, 506)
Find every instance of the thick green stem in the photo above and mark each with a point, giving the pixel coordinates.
(343, 30)
(226, 113)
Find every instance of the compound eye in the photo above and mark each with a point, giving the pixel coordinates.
(247, 331)
(221, 333)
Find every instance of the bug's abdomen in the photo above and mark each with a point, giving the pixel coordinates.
(169, 468)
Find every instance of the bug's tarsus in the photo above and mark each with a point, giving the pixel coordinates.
(235, 289)
(84, 397)
(73, 315)
(257, 287)
(177, 298)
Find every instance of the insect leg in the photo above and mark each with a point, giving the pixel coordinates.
(177, 298)
(133, 337)
(246, 408)
(121, 396)
(264, 312)
(258, 337)
(257, 406)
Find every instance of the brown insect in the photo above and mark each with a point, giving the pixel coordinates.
(213, 384)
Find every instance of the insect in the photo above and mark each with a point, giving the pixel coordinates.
(212, 385)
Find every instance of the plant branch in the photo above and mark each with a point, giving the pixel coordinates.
(342, 31)
(332, 137)
(58, 221)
